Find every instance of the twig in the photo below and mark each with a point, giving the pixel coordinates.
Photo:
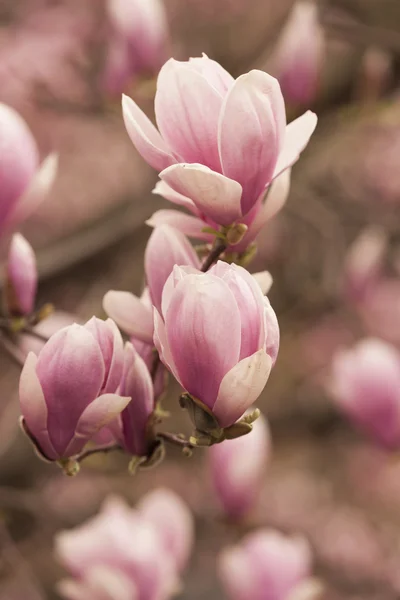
(100, 450)
(175, 440)
(218, 248)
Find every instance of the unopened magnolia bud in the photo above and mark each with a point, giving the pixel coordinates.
(236, 233)
(22, 277)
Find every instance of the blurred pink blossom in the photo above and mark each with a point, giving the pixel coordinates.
(22, 277)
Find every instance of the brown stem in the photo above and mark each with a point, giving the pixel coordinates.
(93, 451)
(175, 440)
(218, 248)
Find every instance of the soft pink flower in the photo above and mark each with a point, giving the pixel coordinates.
(174, 522)
(297, 58)
(67, 393)
(237, 469)
(117, 555)
(219, 337)
(366, 386)
(138, 42)
(265, 566)
(22, 277)
(220, 142)
(23, 183)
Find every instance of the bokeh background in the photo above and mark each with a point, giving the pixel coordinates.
(324, 479)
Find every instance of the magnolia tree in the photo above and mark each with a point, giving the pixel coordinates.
(223, 151)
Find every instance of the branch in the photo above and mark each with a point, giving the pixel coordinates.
(218, 248)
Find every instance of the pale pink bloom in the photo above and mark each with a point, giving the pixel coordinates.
(266, 207)
(136, 383)
(266, 565)
(365, 384)
(237, 469)
(67, 393)
(219, 337)
(298, 56)
(117, 555)
(23, 182)
(22, 277)
(174, 522)
(364, 264)
(138, 42)
(221, 142)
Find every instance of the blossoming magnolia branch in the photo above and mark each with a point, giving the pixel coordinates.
(223, 151)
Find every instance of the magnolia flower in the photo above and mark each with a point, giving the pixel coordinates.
(221, 142)
(297, 58)
(21, 277)
(117, 555)
(68, 392)
(267, 566)
(365, 384)
(237, 468)
(24, 183)
(138, 42)
(219, 337)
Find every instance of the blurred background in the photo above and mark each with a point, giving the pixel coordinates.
(324, 480)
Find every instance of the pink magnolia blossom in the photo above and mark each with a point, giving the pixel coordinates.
(138, 42)
(174, 522)
(219, 337)
(221, 142)
(24, 183)
(22, 277)
(366, 386)
(68, 392)
(298, 55)
(117, 555)
(266, 566)
(237, 468)
(136, 383)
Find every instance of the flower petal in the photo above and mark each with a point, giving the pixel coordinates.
(145, 137)
(33, 406)
(187, 108)
(203, 331)
(161, 343)
(264, 280)
(163, 189)
(130, 314)
(241, 387)
(297, 136)
(190, 226)
(213, 194)
(216, 75)
(251, 131)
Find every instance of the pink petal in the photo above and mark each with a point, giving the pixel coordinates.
(22, 274)
(264, 280)
(37, 191)
(187, 108)
(163, 189)
(161, 343)
(178, 273)
(33, 406)
(203, 331)
(137, 384)
(216, 75)
(166, 248)
(145, 137)
(130, 314)
(251, 131)
(241, 387)
(297, 136)
(71, 371)
(272, 331)
(190, 226)
(213, 194)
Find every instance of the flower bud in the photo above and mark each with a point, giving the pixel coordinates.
(173, 520)
(22, 277)
(297, 59)
(23, 183)
(218, 338)
(136, 383)
(265, 560)
(237, 469)
(66, 392)
(366, 386)
(117, 555)
(138, 42)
